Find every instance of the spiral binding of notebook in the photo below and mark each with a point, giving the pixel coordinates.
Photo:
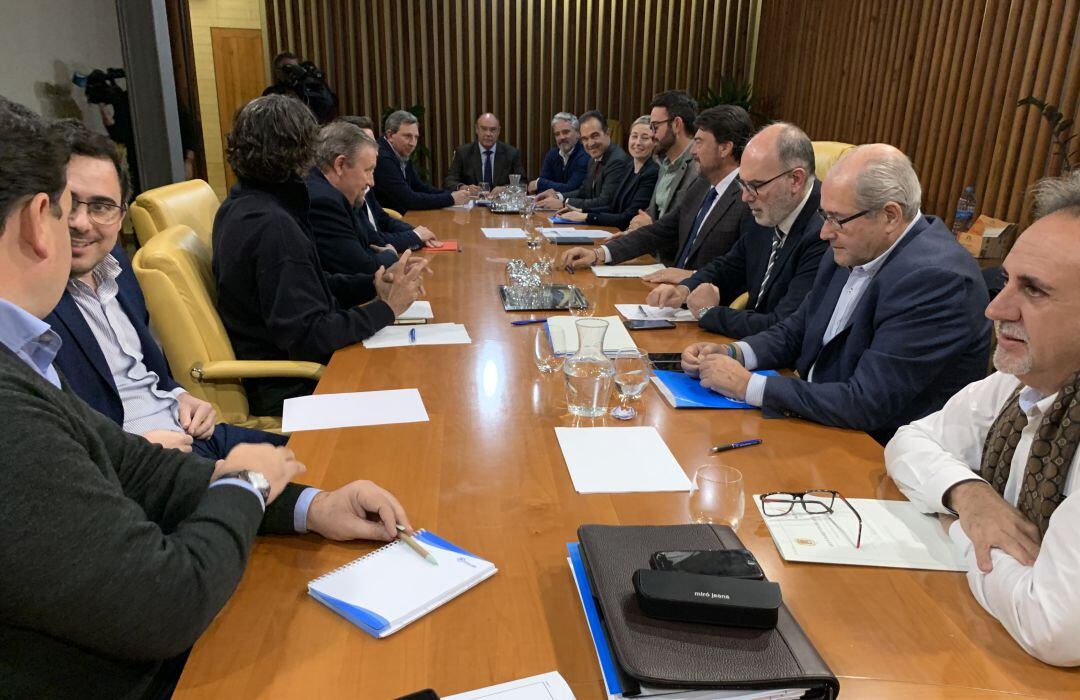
(388, 588)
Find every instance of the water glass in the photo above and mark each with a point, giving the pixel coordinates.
(544, 351)
(631, 378)
(485, 191)
(717, 496)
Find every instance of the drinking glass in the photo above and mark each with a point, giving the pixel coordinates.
(546, 359)
(717, 496)
(485, 191)
(589, 307)
(631, 378)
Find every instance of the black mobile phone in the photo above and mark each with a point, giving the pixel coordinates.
(648, 325)
(736, 563)
(670, 361)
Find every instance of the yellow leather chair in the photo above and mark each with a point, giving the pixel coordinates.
(173, 269)
(393, 213)
(740, 301)
(192, 203)
(615, 131)
(826, 153)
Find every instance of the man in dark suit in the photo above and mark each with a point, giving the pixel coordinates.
(893, 325)
(705, 225)
(566, 165)
(487, 159)
(608, 168)
(776, 258)
(107, 353)
(397, 186)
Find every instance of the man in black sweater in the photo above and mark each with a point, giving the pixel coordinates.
(117, 553)
(273, 297)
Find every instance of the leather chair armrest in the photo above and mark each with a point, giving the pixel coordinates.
(247, 369)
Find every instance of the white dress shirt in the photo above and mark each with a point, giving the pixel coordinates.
(1039, 605)
(857, 282)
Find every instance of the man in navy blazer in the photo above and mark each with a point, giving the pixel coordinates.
(893, 325)
(107, 354)
(397, 186)
(566, 165)
(776, 257)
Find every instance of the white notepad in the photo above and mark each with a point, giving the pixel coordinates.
(895, 534)
(620, 460)
(430, 334)
(417, 310)
(565, 340)
(625, 270)
(504, 233)
(393, 586)
(322, 411)
(547, 686)
(562, 232)
(641, 312)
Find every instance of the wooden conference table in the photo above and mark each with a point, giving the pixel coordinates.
(486, 472)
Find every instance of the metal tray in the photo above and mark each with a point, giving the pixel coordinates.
(554, 297)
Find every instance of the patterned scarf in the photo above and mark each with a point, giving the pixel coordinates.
(1052, 450)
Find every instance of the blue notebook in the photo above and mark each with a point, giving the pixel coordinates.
(387, 589)
(560, 220)
(683, 391)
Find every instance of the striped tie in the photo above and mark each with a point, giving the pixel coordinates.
(777, 243)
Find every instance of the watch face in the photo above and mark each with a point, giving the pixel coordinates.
(259, 481)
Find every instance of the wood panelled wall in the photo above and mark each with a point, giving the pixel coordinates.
(525, 60)
(939, 79)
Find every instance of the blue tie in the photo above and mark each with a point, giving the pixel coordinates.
(487, 168)
(684, 254)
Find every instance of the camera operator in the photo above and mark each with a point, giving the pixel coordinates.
(306, 82)
(102, 90)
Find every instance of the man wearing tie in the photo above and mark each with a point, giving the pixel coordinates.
(609, 167)
(893, 325)
(776, 258)
(487, 159)
(705, 224)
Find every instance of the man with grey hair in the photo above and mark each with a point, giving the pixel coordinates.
(487, 159)
(776, 257)
(998, 463)
(397, 186)
(344, 170)
(893, 325)
(565, 166)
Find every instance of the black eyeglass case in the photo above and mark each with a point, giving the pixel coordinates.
(716, 600)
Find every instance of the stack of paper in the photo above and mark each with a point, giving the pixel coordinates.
(894, 534)
(626, 270)
(431, 334)
(547, 686)
(563, 232)
(620, 460)
(322, 411)
(417, 311)
(504, 233)
(564, 339)
(641, 312)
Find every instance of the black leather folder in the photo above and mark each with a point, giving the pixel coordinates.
(685, 654)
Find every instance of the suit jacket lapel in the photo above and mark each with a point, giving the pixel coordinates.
(723, 204)
(68, 313)
(819, 321)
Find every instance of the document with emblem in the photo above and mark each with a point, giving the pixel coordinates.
(894, 534)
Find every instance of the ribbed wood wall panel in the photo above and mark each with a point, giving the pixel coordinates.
(525, 60)
(939, 79)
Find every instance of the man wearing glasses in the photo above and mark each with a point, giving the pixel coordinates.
(107, 353)
(999, 461)
(671, 117)
(776, 258)
(893, 325)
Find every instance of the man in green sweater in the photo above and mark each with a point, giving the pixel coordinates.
(116, 553)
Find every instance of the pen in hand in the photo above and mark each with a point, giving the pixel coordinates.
(735, 445)
(416, 546)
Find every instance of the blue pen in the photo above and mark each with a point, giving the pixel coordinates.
(527, 321)
(735, 445)
(412, 336)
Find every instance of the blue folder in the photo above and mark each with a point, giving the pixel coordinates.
(560, 220)
(683, 391)
(592, 616)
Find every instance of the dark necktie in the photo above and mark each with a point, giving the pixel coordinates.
(777, 243)
(706, 205)
(488, 177)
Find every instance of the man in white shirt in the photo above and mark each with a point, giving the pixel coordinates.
(998, 461)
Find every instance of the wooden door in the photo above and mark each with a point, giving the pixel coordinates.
(240, 71)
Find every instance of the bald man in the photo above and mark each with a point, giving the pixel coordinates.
(487, 159)
(893, 325)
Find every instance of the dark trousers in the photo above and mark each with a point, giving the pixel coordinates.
(227, 436)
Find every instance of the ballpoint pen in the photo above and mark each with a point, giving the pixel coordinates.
(643, 311)
(735, 445)
(527, 321)
(417, 547)
(412, 336)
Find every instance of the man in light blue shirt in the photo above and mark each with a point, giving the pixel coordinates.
(893, 325)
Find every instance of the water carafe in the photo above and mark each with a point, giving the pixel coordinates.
(589, 373)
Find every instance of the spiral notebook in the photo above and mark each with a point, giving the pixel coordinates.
(387, 589)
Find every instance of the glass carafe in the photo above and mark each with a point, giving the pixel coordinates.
(589, 373)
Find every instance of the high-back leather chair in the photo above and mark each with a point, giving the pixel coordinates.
(826, 153)
(192, 203)
(173, 269)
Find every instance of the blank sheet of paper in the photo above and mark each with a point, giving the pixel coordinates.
(626, 270)
(504, 233)
(353, 409)
(620, 460)
(548, 686)
(431, 334)
(418, 309)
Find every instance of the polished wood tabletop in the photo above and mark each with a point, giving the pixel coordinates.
(486, 472)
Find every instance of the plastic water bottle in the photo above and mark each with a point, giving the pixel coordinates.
(965, 211)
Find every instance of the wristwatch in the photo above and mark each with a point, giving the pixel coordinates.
(256, 479)
(704, 310)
